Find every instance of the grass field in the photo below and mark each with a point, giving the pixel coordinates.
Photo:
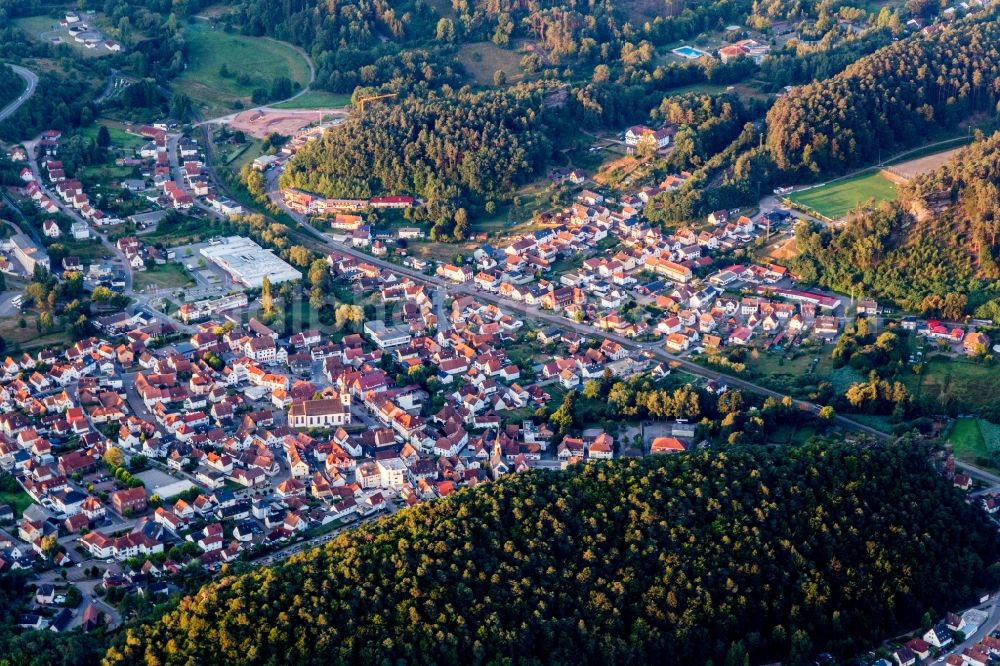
(47, 29)
(89, 251)
(103, 173)
(791, 435)
(189, 230)
(28, 338)
(18, 499)
(877, 421)
(974, 441)
(167, 276)
(799, 374)
(967, 439)
(700, 88)
(119, 137)
(262, 60)
(836, 199)
(483, 59)
(36, 25)
(232, 159)
(958, 384)
(316, 99)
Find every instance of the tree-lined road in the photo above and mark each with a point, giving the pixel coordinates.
(32, 80)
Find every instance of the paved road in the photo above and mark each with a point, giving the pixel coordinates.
(652, 348)
(984, 630)
(72, 213)
(32, 80)
(316, 238)
(302, 546)
(7, 307)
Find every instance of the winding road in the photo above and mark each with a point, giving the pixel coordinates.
(32, 80)
(310, 236)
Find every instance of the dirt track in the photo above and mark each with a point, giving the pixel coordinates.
(909, 169)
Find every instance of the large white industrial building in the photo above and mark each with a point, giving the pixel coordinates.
(248, 263)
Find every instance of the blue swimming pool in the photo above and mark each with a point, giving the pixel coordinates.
(689, 52)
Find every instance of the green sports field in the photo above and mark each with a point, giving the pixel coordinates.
(835, 200)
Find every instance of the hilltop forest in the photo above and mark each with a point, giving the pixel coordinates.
(891, 99)
(442, 146)
(747, 553)
(934, 251)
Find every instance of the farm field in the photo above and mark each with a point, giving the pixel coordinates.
(316, 99)
(483, 59)
(836, 199)
(443, 7)
(260, 60)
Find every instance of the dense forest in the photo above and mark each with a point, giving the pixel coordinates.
(934, 251)
(439, 147)
(966, 191)
(968, 188)
(883, 253)
(746, 553)
(890, 99)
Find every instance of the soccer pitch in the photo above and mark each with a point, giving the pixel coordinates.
(835, 200)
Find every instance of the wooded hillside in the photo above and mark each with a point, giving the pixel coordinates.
(707, 555)
(890, 99)
(437, 147)
(934, 251)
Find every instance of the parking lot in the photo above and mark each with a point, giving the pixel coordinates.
(211, 281)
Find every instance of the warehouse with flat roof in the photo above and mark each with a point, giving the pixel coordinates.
(28, 253)
(248, 263)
